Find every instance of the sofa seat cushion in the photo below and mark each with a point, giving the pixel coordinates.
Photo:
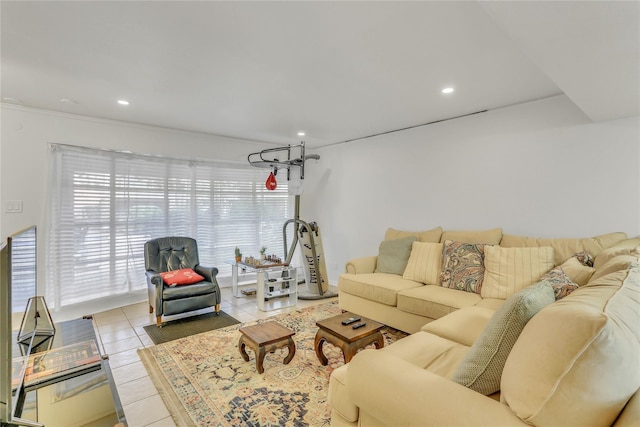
(434, 301)
(584, 348)
(428, 351)
(462, 326)
(179, 292)
(422, 349)
(378, 287)
(491, 303)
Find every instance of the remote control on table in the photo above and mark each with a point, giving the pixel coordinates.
(358, 325)
(350, 320)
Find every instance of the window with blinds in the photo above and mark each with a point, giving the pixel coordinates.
(105, 205)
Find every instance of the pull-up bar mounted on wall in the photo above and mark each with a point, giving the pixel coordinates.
(307, 233)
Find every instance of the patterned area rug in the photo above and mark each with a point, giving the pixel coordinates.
(204, 381)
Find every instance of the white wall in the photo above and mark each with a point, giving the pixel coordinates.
(538, 169)
(24, 171)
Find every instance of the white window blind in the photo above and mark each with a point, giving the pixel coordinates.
(23, 268)
(105, 205)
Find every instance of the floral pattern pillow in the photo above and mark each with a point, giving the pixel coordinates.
(184, 276)
(462, 266)
(585, 258)
(560, 282)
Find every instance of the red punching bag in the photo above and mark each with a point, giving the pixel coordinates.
(271, 183)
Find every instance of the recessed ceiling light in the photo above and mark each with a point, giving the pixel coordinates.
(68, 101)
(123, 102)
(301, 134)
(447, 90)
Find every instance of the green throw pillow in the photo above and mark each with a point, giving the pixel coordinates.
(481, 368)
(393, 255)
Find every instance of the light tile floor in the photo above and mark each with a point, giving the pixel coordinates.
(121, 333)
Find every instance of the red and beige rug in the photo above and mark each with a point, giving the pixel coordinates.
(204, 381)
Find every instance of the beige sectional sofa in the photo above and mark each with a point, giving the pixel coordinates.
(525, 359)
(408, 305)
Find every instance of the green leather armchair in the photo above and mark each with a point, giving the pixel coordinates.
(174, 253)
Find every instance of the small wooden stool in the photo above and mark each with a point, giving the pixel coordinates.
(263, 337)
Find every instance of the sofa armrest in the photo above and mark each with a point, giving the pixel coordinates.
(362, 265)
(397, 392)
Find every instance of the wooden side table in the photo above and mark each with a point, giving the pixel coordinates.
(266, 337)
(349, 340)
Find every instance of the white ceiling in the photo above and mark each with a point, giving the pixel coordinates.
(337, 70)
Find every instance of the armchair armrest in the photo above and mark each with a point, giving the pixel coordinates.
(154, 289)
(362, 265)
(154, 278)
(397, 392)
(209, 273)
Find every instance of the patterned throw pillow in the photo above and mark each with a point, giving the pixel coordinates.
(462, 266)
(184, 276)
(585, 258)
(560, 282)
(481, 368)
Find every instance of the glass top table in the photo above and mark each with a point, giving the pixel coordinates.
(276, 284)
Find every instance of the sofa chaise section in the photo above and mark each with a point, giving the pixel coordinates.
(574, 363)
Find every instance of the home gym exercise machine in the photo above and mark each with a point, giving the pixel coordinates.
(307, 234)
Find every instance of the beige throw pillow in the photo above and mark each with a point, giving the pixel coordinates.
(507, 270)
(579, 273)
(481, 368)
(424, 263)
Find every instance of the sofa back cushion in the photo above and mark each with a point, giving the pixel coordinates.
(432, 235)
(621, 248)
(507, 270)
(576, 361)
(425, 262)
(489, 237)
(565, 248)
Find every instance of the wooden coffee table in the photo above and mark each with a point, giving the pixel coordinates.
(266, 337)
(349, 340)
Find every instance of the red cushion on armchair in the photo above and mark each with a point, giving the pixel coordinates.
(185, 276)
